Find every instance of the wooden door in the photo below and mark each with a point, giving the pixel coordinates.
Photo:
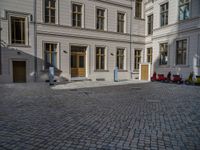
(78, 57)
(19, 71)
(144, 72)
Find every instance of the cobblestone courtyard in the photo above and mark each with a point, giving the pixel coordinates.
(135, 116)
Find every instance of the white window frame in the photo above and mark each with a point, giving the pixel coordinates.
(26, 28)
(57, 55)
(82, 14)
(56, 12)
(105, 57)
(125, 58)
(125, 21)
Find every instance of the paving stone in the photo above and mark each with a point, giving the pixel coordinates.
(157, 116)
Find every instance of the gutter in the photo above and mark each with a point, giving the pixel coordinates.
(131, 39)
(0, 50)
(35, 41)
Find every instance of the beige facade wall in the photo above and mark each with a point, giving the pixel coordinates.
(65, 36)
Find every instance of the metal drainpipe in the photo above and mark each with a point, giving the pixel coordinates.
(131, 38)
(0, 49)
(35, 40)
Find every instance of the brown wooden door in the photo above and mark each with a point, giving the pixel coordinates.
(19, 71)
(78, 62)
(144, 72)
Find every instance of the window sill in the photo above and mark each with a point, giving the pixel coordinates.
(19, 45)
(122, 70)
(184, 66)
(101, 70)
(163, 66)
(136, 71)
(137, 18)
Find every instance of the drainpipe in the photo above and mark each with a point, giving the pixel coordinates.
(131, 39)
(0, 49)
(35, 40)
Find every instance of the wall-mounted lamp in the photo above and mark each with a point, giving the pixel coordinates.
(65, 51)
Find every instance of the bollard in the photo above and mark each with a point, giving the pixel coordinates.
(51, 75)
(116, 74)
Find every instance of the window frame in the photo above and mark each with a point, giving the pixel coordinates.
(118, 58)
(101, 17)
(80, 13)
(100, 55)
(180, 5)
(26, 29)
(186, 51)
(56, 12)
(57, 54)
(166, 50)
(138, 15)
(136, 58)
(165, 13)
(150, 55)
(121, 21)
(150, 24)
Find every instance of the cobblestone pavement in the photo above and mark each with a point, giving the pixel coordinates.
(135, 116)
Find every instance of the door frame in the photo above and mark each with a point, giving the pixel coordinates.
(149, 70)
(11, 68)
(86, 59)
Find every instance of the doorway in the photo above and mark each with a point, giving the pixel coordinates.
(19, 71)
(78, 61)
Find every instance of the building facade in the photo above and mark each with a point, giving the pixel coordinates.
(87, 39)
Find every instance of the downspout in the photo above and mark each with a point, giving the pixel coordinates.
(131, 39)
(35, 40)
(0, 50)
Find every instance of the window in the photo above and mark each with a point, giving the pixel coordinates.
(120, 59)
(150, 24)
(163, 53)
(50, 55)
(120, 22)
(18, 30)
(50, 11)
(137, 59)
(184, 9)
(138, 8)
(76, 15)
(164, 14)
(149, 55)
(100, 58)
(100, 19)
(181, 48)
